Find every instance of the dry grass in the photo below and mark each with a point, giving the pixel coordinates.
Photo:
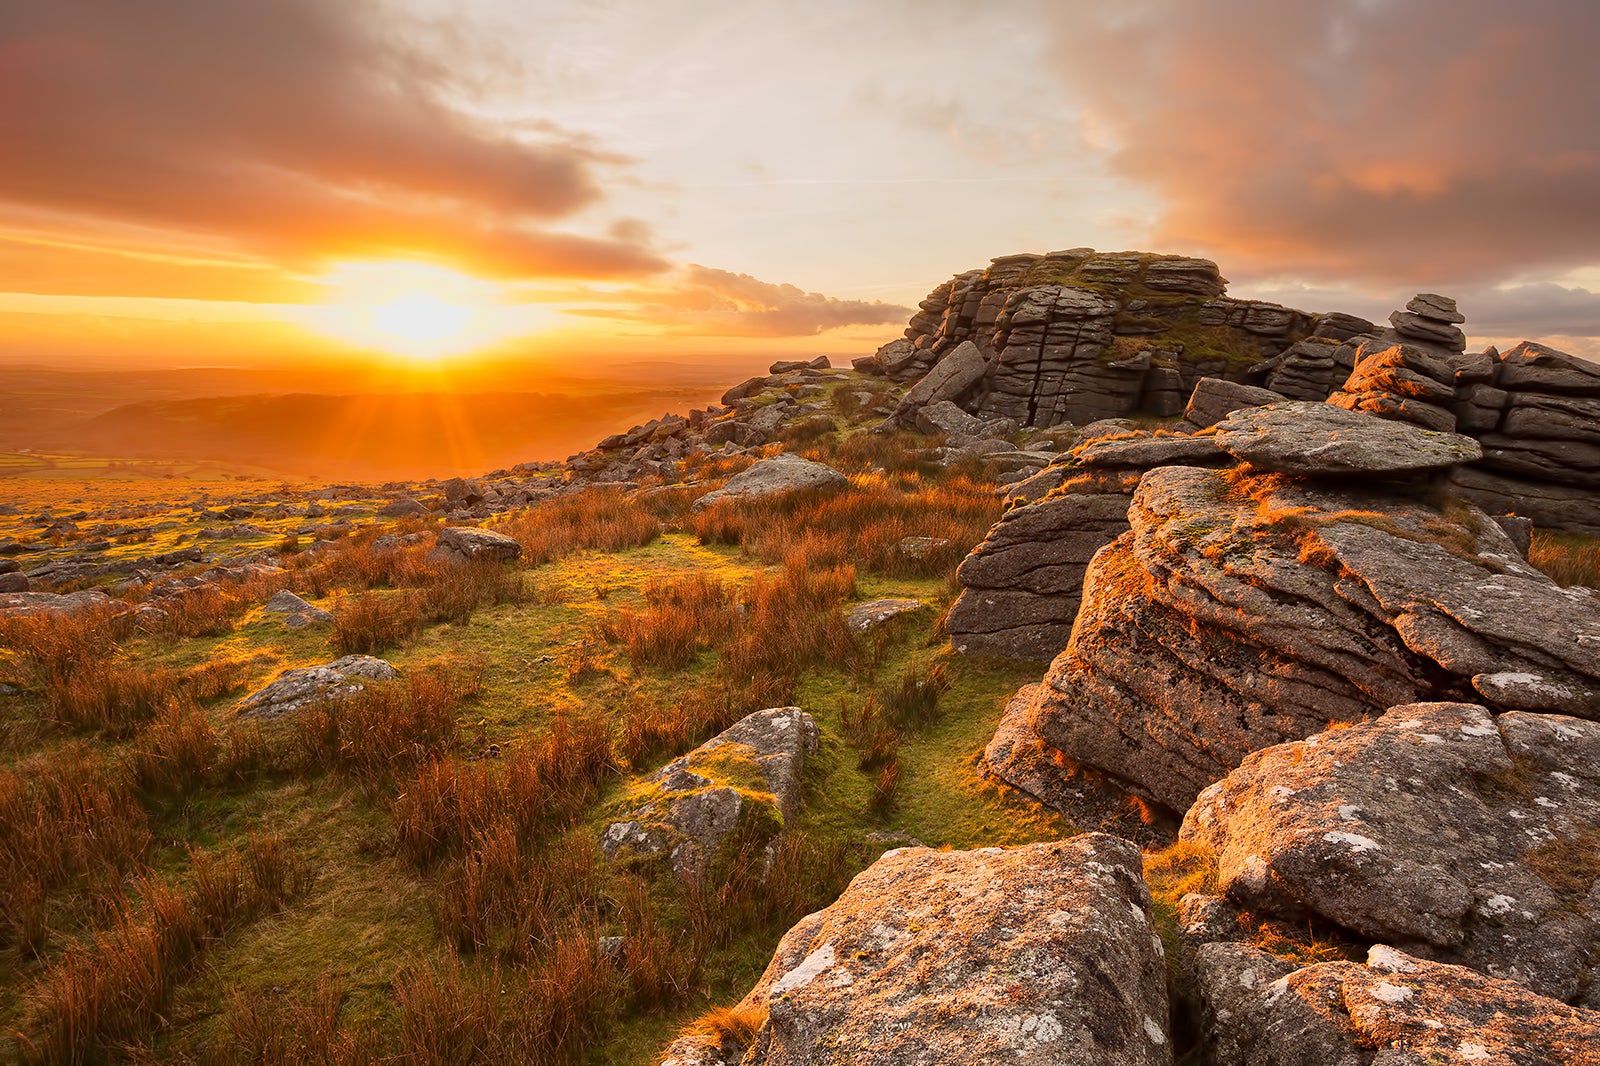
(792, 621)
(682, 616)
(294, 1031)
(113, 990)
(862, 526)
(371, 623)
(593, 518)
(388, 728)
(1568, 558)
(449, 804)
(62, 817)
(177, 753)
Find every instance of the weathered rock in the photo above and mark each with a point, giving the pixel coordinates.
(1424, 330)
(1020, 587)
(1438, 308)
(299, 613)
(1214, 627)
(404, 508)
(13, 582)
(951, 378)
(294, 689)
(1403, 382)
(749, 775)
(946, 417)
(1038, 954)
(471, 544)
(1436, 827)
(1298, 437)
(1394, 1011)
(789, 366)
(1145, 450)
(1214, 399)
(781, 474)
(745, 389)
(874, 613)
(1534, 367)
(1549, 505)
(23, 604)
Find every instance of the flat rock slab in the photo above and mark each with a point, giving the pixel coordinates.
(1394, 1011)
(21, 604)
(770, 477)
(298, 613)
(471, 544)
(1038, 954)
(1436, 827)
(1145, 450)
(1301, 437)
(874, 613)
(692, 805)
(1213, 399)
(295, 689)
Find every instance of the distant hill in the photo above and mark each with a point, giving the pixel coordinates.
(371, 435)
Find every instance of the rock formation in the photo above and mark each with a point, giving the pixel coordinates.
(771, 477)
(1038, 954)
(1075, 336)
(1244, 609)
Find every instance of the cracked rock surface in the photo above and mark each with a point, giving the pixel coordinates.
(1037, 954)
(1436, 827)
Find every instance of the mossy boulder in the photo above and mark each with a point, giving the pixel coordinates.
(741, 787)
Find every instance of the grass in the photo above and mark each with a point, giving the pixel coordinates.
(452, 816)
(1567, 558)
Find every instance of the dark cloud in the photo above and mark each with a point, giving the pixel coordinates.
(1425, 141)
(705, 302)
(298, 129)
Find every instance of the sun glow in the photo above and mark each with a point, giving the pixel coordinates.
(416, 310)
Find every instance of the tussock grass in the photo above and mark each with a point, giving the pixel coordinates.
(63, 816)
(1567, 558)
(112, 991)
(449, 804)
(386, 728)
(177, 753)
(592, 518)
(370, 623)
(862, 526)
(298, 1030)
(683, 616)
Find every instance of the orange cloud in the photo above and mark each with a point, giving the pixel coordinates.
(1413, 140)
(297, 131)
(705, 302)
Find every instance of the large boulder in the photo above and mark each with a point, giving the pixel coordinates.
(950, 379)
(781, 474)
(1241, 611)
(1020, 587)
(1395, 1010)
(1214, 399)
(470, 544)
(748, 775)
(1436, 827)
(1039, 954)
(294, 689)
(1299, 437)
(296, 611)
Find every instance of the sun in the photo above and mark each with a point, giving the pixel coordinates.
(417, 311)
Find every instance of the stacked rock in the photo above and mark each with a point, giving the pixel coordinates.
(1431, 320)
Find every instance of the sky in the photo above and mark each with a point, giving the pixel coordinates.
(242, 181)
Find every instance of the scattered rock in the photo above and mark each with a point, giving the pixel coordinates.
(13, 582)
(294, 689)
(950, 379)
(1298, 437)
(299, 613)
(404, 508)
(921, 547)
(874, 613)
(782, 473)
(1038, 954)
(1436, 827)
(749, 774)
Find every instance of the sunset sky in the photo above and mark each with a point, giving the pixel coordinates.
(230, 181)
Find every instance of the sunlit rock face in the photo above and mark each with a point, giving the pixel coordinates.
(1245, 609)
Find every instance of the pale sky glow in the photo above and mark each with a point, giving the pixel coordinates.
(681, 176)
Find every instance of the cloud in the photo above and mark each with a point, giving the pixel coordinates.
(297, 130)
(1422, 141)
(702, 301)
